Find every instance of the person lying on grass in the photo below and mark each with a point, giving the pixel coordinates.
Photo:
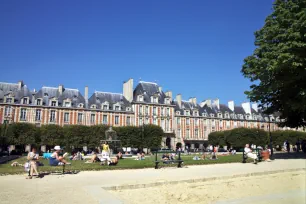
(110, 162)
(55, 159)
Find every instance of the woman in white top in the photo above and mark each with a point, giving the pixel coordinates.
(33, 157)
(250, 154)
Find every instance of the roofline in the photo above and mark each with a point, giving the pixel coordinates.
(108, 92)
(148, 82)
(8, 83)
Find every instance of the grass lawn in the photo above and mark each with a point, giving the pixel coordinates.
(123, 164)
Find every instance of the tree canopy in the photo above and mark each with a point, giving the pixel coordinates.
(277, 66)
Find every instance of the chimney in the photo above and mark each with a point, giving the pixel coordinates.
(246, 107)
(33, 96)
(61, 89)
(128, 90)
(193, 100)
(206, 102)
(179, 100)
(255, 107)
(231, 105)
(216, 103)
(20, 84)
(86, 95)
(160, 89)
(169, 94)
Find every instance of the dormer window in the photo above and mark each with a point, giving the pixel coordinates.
(117, 108)
(45, 94)
(154, 99)
(9, 100)
(195, 113)
(81, 105)
(226, 115)
(93, 106)
(25, 101)
(53, 103)
(105, 107)
(178, 113)
(67, 104)
(187, 112)
(204, 114)
(128, 109)
(211, 115)
(219, 115)
(140, 98)
(167, 101)
(38, 102)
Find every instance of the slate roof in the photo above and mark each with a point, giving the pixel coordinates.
(207, 110)
(47, 93)
(98, 98)
(148, 89)
(6, 88)
(186, 105)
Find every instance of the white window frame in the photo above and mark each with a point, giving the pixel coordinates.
(128, 120)
(154, 110)
(140, 98)
(105, 104)
(52, 116)
(23, 114)
(80, 119)
(53, 101)
(40, 102)
(66, 114)
(104, 119)
(9, 98)
(92, 118)
(38, 115)
(117, 120)
(187, 121)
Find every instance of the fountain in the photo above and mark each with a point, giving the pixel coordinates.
(112, 140)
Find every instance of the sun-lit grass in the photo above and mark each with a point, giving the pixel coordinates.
(123, 164)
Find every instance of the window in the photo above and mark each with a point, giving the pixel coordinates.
(154, 121)
(128, 120)
(155, 99)
(147, 121)
(140, 121)
(163, 124)
(38, 115)
(196, 133)
(140, 98)
(140, 110)
(211, 115)
(38, 102)
(226, 115)
(154, 110)
(162, 111)
(81, 105)
(66, 117)
(167, 101)
(9, 100)
(52, 116)
(25, 101)
(105, 107)
(178, 120)
(53, 103)
(187, 133)
(23, 114)
(178, 113)
(187, 121)
(116, 120)
(195, 113)
(117, 108)
(147, 110)
(7, 111)
(93, 106)
(92, 118)
(196, 121)
(178, 133)
(167, 125)
(187, 112)
(80, 117)
(104, 121)
(219, 115)
(67, 104)
(168, 111)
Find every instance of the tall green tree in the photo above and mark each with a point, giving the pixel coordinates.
(277, 66)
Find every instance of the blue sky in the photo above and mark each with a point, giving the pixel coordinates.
(195, 47)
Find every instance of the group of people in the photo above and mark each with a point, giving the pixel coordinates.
(299, 145)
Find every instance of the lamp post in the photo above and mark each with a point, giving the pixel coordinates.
(270, 136)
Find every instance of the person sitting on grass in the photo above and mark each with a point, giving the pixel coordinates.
(114, 161)
(94, 158)
(32, 158)
(250, 154)
(55, 159)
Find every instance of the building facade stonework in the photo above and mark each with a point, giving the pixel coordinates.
(184, 122)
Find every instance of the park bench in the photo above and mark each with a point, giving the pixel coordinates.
(245, 157)
(179, 161)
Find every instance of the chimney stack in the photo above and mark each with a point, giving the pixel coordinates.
(206, 102)
(86, 95)
(128, 90)
(193, 100)
(216, 103)
(246, 107)
(61, 89)
(20, 84)
(169, 94)
(179, 100)
(160, 89)
(231, 105)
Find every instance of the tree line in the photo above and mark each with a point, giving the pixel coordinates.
(77, 136)
(238, 137)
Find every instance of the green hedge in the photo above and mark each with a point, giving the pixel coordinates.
(77, 136)
(238, 137)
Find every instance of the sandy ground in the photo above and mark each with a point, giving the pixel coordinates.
(274, 188)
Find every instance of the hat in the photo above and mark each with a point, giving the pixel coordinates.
(57, 148)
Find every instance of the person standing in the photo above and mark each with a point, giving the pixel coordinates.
(288, 146)
(105, 150)
(298, 145)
